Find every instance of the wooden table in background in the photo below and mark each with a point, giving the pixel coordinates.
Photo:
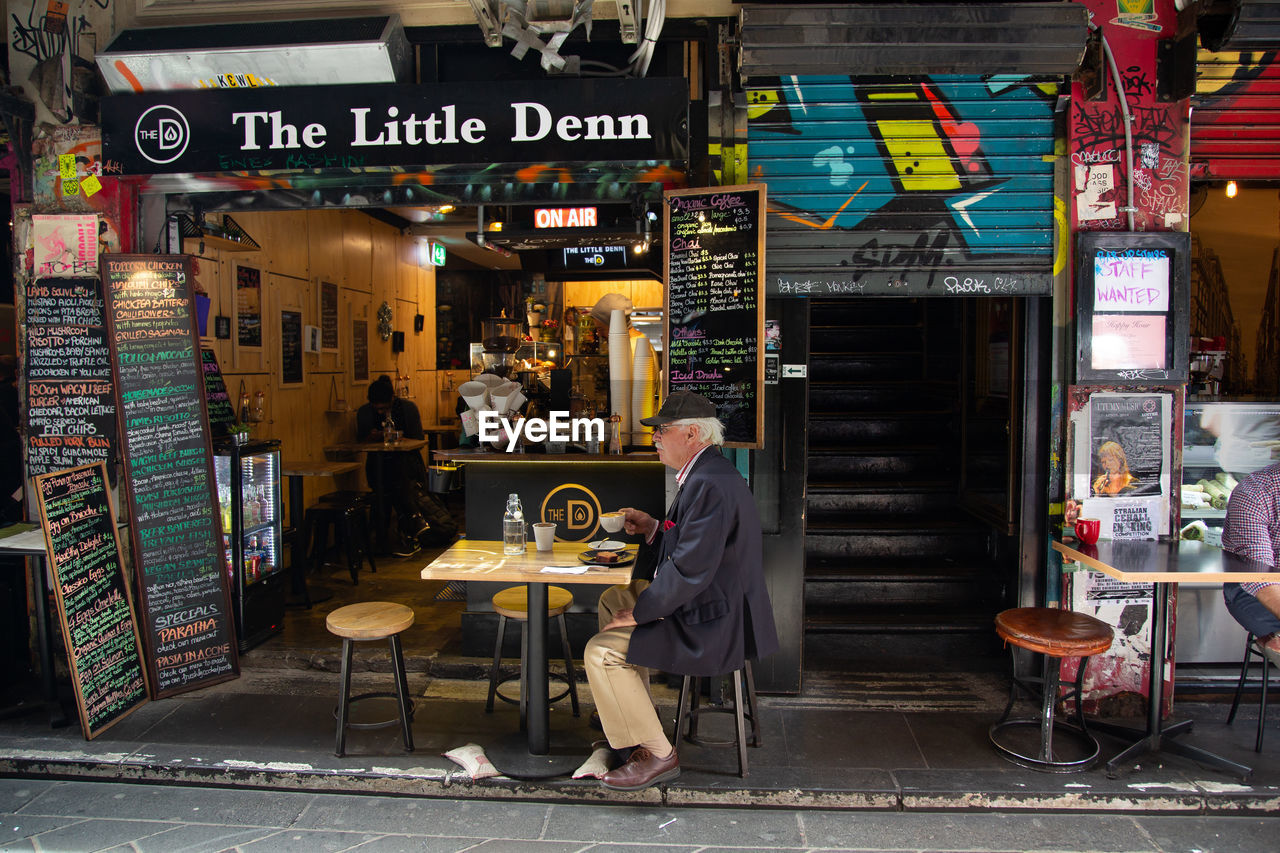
(379, 450)
(295, 470)
(483, 560)
(1160, 564)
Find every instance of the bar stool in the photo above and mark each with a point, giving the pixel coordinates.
(513, 603)
(348, 515)
(1252, 647)
(1056, 634)
(366, 622)
(742, 711)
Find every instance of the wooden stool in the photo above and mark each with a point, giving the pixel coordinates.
(372, 620)
(349, 517)
(1056, 634)
(513, 603)
(1253, 646)
(742, 711)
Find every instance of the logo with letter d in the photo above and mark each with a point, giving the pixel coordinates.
(162, 134)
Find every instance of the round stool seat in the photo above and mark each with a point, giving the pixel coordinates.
(369, 620)
(1057, 633)
(513, 602)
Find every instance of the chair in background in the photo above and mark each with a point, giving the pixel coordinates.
(348, 514)
(1253, 647)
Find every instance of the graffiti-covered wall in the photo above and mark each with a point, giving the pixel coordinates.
(51, 51)
(1235, 129)
(936, 185)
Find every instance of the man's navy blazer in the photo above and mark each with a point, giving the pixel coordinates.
(707, 608)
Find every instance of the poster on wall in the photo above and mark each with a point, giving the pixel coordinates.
(66, 246)
(248, 306)
(1121, 462)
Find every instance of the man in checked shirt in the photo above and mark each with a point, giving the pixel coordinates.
(1252, 530)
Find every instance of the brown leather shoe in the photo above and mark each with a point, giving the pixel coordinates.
(642, 770)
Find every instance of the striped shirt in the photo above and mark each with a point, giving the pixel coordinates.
(1252, 528)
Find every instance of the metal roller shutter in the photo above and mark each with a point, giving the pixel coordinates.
(1235, 120)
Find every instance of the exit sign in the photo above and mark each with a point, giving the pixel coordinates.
(565, 217)
(437, 254)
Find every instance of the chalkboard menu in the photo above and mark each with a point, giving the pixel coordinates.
(328, 316)
(176, 533)
(222, 415)
(360, 350)
(94, 605)
(290, 347)
(714, 265)
(71, 410)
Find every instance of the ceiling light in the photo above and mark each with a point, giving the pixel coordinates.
(1232, 189)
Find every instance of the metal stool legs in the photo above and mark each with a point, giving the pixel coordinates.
(570, 675)
(1250, 650)
(744, 708)
(404, 705)
(1049, 682)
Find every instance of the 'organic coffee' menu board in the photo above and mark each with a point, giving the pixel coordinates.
(71, 410)
(94, 606)
(222, 415)
(714, 265)
(184, 599)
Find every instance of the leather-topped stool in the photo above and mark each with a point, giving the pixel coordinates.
(348, 514)
(513, 603)
(1056, 634)
(365, 622)
(742, 711)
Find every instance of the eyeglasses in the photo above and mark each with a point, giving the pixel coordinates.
(659, 430)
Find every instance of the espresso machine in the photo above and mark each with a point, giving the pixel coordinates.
(500, 338)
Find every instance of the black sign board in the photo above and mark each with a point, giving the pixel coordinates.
(184, 599)
(94, 605)
(714, 260)
(71, 410)
(328, 316)
(290, 347)
(1132, 307)
(363, 126)
(222, 415)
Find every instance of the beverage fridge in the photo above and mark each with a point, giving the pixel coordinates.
(249, 494)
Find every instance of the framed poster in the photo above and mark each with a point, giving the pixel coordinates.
(1132, 307)
(328, 293)
(248, 306)
(360, 350)
(290, 348)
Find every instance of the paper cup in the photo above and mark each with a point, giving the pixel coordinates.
(473, 393)
(544, 534)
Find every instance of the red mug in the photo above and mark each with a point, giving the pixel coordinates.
(1087, 530)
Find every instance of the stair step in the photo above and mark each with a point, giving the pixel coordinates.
(850, 399)
(870, 339)
(921, 545)
(904, 620)
(964, 587)
(843, 429)
(902, 465)
(824, 506)
(864, 367)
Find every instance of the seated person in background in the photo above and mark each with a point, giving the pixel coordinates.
(405, 486)
(1252, 529)
(704, 608)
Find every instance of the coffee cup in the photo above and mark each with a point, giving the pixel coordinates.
(544, 534)
(611, 521)
(1087, 530)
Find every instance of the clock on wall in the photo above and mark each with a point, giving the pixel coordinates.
(384, 321)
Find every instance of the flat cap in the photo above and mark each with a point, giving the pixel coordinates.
(679, 406)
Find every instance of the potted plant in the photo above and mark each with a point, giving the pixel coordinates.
(239, 433)
(550, 328)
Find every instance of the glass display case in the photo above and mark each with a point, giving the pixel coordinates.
(249, 496)
(1223, 442)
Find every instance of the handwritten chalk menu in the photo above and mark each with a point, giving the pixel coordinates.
(94, 605)
(71, 408)
(184, 599)
(222, 415)
(1132, 307)
(290, 347)
(714, 247)
(328, 316)
(360, 350)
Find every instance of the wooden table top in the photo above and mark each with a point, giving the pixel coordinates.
(483, 560)
(1170, 561)
(309, 468)
(404, 444)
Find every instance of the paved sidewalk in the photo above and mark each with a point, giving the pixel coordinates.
(76, 817)
(274, 729)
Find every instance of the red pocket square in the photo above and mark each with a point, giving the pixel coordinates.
(667, 525)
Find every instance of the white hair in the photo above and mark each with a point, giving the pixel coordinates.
(710, 430)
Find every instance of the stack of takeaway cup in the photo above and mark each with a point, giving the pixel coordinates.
(620, 370)
(489, 393)
(644, 380)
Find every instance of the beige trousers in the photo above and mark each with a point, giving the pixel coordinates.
(620, 690)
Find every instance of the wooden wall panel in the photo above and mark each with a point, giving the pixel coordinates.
(283, 236)
(324, 245)
(357, 249)
(643, 293)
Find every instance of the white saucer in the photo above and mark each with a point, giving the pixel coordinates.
(607, 545)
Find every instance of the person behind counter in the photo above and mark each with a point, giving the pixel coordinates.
(405, 488)
(1252, 529)
(698, 604)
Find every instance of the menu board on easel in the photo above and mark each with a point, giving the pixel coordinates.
(714, 269)
(184, 600)
(70, 412)
(95, 609)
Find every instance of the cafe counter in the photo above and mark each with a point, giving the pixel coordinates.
(570, 489)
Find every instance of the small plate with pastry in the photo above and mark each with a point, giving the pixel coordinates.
(607, 558)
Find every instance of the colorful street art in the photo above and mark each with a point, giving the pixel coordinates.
(1235, 129)
(941, 183)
